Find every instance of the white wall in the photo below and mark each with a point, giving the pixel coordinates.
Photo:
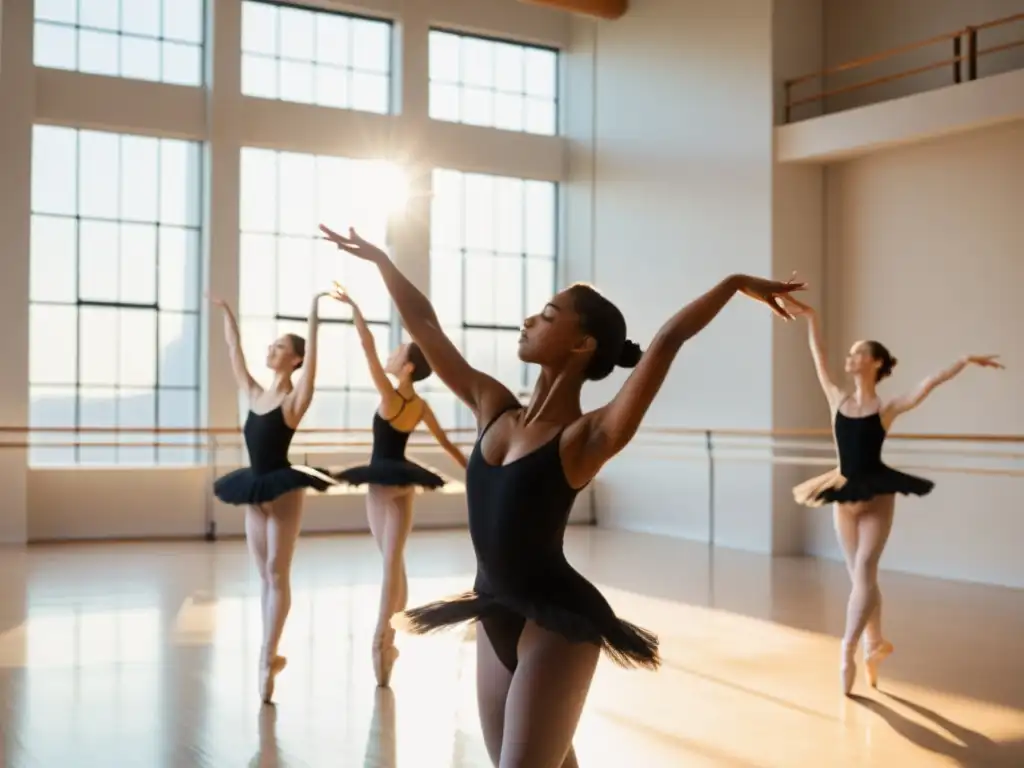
(673, 188)
(854, 30)
(84, 502)
(925, 254)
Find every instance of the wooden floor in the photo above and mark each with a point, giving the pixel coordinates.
(144, 655)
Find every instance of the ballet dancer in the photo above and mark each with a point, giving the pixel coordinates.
(271, 489)
(392, 478)
(862, 487)
(544, 625)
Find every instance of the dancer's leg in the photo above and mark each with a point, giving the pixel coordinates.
(256, 540)
(845, 519)
(283, 526)
(391, 507)
(874, 522)
(492, 683)
(545, 700)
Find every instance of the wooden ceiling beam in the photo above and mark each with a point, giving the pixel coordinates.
(602, 9)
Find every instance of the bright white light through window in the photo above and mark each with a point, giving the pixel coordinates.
(114, 293)
(316, 57)
(494, 84)
(158, 40)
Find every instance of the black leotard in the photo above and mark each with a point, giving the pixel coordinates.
(517, 518)
(861, 474)
(269, 475)
(388, 465)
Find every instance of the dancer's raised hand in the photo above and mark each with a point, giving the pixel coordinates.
(770, 292)
(986, 361)
(353, 244)
(797, 308)
(217, 301)
(338, 293)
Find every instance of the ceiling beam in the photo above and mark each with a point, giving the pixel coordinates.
(602, 9)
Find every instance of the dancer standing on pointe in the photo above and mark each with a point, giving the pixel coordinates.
(862, 487)
(271, 489)
(391, 477)
(544, 625)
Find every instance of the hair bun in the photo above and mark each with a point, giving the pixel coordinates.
(630, 354)
(893, 363)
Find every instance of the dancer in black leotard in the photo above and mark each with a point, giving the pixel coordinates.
(271, 489)
(544, 624)
(391, 477)
(862, 487)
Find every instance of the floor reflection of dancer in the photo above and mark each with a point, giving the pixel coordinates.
(392, 478)
(544, 625)
(271, 489)
(863, 488)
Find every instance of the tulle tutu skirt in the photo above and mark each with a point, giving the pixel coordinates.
(832, 487)
(243, 486)
(390, 472)
(571, 607)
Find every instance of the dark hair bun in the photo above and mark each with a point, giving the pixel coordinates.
(893, 363)
(630, 354)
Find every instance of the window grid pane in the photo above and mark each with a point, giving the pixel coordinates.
(283, 262)
(307, 56)
(114, 322)
(493, 83)
(487, 272)
(156, 40)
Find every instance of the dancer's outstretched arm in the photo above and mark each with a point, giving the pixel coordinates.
(297, 404)
(441, 436)
(610, 428)
(243, 379)
(484, 395)
(911, 400)
(390, 399)
(816, 341)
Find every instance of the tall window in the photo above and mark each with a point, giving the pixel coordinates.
(284, 262)
(315, 57)
(492, 83)
(114, 292)
(492, 263)
(159, 40)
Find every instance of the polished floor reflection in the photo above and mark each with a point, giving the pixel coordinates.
(144, 655)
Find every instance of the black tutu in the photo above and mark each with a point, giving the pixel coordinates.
(832, 487)
(574, 609)
(243, 486)
(394, 472)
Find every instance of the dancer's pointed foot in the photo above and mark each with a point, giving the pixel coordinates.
(847, 670)
(874, 655)
(267, 674)
(384, 655)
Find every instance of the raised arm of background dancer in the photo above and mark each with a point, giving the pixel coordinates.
(911, 400)
(610, 428)
(297, 405)
(441, 436)
(243, 379)
(484, 395)
(816, 341)
(388, 396)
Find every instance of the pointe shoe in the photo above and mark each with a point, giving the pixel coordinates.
(267, 674)
(873, 658)
(847, 672)
(384, 655)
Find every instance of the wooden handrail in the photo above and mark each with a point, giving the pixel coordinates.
(667, 431)
(888, 54)
(971, 57)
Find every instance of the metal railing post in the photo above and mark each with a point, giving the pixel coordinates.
(972, 53)
(957, 63)
(211, 467)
